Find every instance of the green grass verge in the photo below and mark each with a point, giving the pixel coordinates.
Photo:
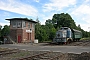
(85, 38)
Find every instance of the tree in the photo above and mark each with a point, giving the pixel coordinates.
(44, 32)
(38, 30)
(50, 30)
(5, 30)
(52, 33)
(63, 20)
(79, 26)
(49, 21)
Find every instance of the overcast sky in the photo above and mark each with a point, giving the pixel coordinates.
(45, 9)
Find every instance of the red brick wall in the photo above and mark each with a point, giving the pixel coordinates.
(25, 34)
(13, 34)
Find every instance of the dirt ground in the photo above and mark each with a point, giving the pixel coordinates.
(16, 54)
(10, 53)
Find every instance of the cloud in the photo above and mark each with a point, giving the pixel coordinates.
(83, 9)
(18, 7)
(45, 18)
(86, 1)
(82, 13)
(42, 18)
(86, 27)
(58, 5)
(3, 24)
(37, 1)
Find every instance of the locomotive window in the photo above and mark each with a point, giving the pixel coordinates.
(64, 34)
(64, 28)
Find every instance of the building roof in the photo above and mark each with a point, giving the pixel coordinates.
(76, 30)
(25, 19)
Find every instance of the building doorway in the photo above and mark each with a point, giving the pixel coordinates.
(19, 38)
(27, 36)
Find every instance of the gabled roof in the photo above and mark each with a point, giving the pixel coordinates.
(25, 19)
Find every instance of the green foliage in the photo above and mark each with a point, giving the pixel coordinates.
(49, 21)
(44, 32)
(51, 31)
(5, 31)
(40, 32)
(63, 20)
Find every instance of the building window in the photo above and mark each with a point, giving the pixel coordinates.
(18, 24)
(14, 24)
(24, 24)
(28, 24)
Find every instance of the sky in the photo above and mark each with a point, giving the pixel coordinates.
(79, 10)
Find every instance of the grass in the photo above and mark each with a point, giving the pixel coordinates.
(3, 49)
(85, 38)
(20, 54)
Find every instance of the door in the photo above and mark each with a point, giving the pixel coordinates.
(27, 36)
(19, 39)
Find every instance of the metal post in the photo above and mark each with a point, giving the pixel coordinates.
(30, 36)
(5, 40)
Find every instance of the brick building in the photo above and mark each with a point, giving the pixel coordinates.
(22, 30)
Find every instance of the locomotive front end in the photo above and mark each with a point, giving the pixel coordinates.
(60, 36)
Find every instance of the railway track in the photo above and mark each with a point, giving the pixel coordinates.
(44, 56)
(8, 51)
